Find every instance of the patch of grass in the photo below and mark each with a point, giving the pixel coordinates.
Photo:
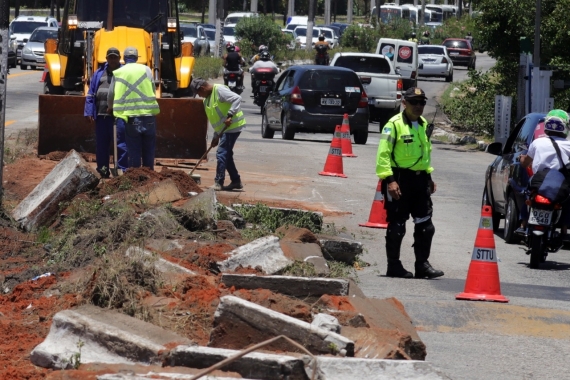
(337, 269)
(207, 67)
(272, 219)
(254, 233)
(300, 269)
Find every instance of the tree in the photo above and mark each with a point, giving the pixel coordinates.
(262, 30)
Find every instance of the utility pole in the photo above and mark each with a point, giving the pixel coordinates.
(327, 12)
(253, 6)
(536, 55)
(219, 14)
(4, 38)
(349, 11)
(212, 12)
(422, 19)
(310, 23)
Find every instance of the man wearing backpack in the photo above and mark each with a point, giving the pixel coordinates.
(322, 47)
(542, 154)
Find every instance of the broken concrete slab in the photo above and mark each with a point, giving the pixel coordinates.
(315, 217)
(289, 285)
(101, 335)
(237, 320)
(162, 192)
(307, 253)
(370, 343)
(327, 322)
(162, 265)
(340, 249)
(330, 368)
(71, 176)
(296, 234)
(265, 252)
(160, 376)
(203, 205)
(235, 217)
(161, 218)
(254, 365)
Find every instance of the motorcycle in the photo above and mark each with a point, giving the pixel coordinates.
(264, 81)
(542, 237)
(233, 79)
(322, 57)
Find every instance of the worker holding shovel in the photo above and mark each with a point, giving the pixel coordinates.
(223, 109)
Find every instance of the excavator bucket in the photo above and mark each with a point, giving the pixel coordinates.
(181, 131)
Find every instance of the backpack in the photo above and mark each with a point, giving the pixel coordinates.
(321, 48)
(553, 184)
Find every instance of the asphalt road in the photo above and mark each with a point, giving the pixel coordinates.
(528, 338)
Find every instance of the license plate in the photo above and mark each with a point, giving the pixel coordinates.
(262, 88)
(371, 101)
(232, 83)
(40, 60)
(541, 217)
(330, 102)
(453, 53)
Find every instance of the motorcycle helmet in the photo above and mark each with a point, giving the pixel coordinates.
(413, 34)
(264, 56)
(557, 121)
(262, 48)
(321, 38)
(230, 47)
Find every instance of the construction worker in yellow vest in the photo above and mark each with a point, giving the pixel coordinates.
(403, 163)
(223, 109)
(132, 97)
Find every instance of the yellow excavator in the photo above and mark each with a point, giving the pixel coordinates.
(88, 29)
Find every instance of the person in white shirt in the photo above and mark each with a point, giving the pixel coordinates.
(542, 154)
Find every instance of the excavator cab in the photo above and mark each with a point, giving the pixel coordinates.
(89, 28)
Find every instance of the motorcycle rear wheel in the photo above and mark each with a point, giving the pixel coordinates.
(537, 249)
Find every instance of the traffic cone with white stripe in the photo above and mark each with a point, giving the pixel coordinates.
(377, 218)
(44, 75)
(483, 282)
(333, 165)
(345, 138)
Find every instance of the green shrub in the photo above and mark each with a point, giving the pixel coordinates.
(207, 67)
(262, 30)
(363, 38)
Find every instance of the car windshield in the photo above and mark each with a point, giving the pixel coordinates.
(189, 30)
(327, 33)
(329, 80)
(457, 44)
(374, 65)
(233, 20)
(211, 33)
(228, 30)
(302, 32)
(26, 27)
(41, 35)
(430, 50)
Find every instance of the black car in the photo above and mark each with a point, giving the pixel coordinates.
(505, 179)
(312, 98)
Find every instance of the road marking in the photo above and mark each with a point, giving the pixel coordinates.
(20, 74)
(9, 122)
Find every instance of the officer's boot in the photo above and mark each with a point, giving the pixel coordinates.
(423, 235)
(394, 236)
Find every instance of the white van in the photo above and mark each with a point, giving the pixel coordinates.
(404, 57)
(233, 18)
(297, 20)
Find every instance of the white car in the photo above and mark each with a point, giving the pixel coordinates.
(436, 62)
(211, 33)
(21, 29)
(300, 34)
(229, 33)
(330, 36)
(233, 18)
(292, 45)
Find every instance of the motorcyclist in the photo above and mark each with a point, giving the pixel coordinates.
(470, 38)
(542, 154)
(263, 62)
(322, 47)
(256, 57)
(425, 38)
(413, 38)
(233, 62)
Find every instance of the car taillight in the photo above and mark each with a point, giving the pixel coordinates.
(365, 80)
(413, 76)
(542, 200)
(363, 100)
(444, 60)
(296, 96)
(263, 81)
(400, 87)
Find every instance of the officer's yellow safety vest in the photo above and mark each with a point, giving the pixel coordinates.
(217, 112)
(134, 95)
(403, 146)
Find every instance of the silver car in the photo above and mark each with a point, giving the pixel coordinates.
(211, 34)
(195, 33)
(33, 51)
(436, 62)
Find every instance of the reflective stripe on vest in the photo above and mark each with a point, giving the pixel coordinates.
(217, 112)
(133, 97)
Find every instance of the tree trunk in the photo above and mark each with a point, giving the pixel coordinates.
(58, 10)
(203, 11)
(265, 7)
(16, 8)
(52, 8)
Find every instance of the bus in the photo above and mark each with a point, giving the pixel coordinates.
(440, 13)
(390, 12)
(414, 13)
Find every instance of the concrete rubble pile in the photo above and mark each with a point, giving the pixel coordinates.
(348, 335)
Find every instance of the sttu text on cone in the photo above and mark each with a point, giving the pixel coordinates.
(483, 282)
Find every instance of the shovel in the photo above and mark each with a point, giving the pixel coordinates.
(115, 171)
(197, 178)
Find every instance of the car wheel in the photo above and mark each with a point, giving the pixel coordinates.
(287, 132)
(360, 137)
(13, 65)
(23, 67)
(266, 132)
(495, 216)
(511, 221)
(449, 78)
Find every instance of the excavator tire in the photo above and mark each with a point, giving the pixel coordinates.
(181, 131)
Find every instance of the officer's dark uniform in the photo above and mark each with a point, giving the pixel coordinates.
(404, 156)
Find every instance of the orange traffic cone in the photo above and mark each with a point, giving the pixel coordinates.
(345, 138)
(44, 75)
(482, 282)
(333, 165)
(377, 218)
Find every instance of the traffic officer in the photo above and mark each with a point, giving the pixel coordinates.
(223, 109)
(403, 164)
(132, 98)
